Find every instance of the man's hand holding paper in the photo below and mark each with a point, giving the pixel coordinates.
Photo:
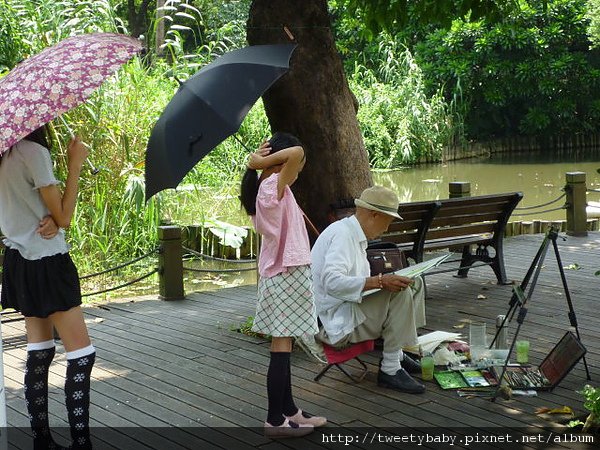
(395, 283)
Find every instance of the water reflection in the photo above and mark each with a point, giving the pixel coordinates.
(540, 178)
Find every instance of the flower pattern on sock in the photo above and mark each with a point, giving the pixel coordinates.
(35, 387)
(77, 399)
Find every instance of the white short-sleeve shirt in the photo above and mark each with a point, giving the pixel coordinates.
(24, 169)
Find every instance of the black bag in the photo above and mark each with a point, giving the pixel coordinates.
(385, 257)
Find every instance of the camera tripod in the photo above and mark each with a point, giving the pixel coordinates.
(519, 299)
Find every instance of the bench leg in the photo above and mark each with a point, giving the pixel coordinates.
(465, 262)
(497, 262)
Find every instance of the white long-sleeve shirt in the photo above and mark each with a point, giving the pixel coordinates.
(340, 268)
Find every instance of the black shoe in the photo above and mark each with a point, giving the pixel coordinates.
(402, 382)
(410, 365)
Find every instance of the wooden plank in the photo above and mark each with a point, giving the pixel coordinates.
(178, 362)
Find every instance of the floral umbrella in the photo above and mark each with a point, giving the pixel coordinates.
(57, 79)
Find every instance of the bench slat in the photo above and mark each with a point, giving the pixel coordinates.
(458, 210)
(466, 219)
(464, 230)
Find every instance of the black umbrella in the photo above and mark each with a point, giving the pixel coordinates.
(209, 107)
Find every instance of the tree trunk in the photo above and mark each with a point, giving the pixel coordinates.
(313, 101)
(137, 19)
(159, 40)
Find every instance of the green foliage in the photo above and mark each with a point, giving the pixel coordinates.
(246, 328)
(400, 123)
(112, 222)
(593, 15)
(529, 74)
(592, 399)
(396, 14)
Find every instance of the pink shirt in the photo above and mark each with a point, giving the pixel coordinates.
(281, 224)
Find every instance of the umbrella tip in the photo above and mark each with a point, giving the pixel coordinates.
(178, 80)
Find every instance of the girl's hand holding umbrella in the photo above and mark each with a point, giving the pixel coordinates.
(77, 152)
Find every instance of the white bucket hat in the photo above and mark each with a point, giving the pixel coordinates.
(380, 199)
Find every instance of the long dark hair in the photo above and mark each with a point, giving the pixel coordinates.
(39, 136)
(250, 180)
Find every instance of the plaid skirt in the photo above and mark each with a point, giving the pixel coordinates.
(286, 307)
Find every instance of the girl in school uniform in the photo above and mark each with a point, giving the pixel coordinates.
(40, 280)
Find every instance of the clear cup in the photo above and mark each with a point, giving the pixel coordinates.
(477, 336)
(522, 351)
(427, 367)
(477, 340)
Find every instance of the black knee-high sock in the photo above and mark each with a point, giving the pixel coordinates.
(36, 393)
(276, 385)
(289, 407)
(77, 398)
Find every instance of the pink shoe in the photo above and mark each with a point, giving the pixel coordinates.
(287, 429)
(315, 421)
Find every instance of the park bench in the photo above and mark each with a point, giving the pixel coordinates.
(475, 225)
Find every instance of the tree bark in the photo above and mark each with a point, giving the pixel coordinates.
(313, 101)
(137, 19)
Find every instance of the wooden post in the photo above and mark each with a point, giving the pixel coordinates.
(527, 227)
(576, 203)
(459, 189)
(170, 264)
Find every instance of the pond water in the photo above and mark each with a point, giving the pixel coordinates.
(539, 177)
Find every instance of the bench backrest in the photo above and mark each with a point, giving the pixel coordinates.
(409, 233)
(473, 215)
(446, 218)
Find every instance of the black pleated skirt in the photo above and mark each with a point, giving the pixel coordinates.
(39, 287)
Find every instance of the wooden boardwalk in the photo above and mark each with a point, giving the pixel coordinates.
(176, 375)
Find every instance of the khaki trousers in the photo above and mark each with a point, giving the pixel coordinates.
(394, 317)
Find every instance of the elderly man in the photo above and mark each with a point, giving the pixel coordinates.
(341, 274)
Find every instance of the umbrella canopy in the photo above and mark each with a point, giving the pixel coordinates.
(57, 79)
(209, 107)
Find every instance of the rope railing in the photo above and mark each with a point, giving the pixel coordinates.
(247, 269)
(542, 205)
(117, 267)
(120, 266)
(214, 258)
(592, 190)
(129, 283)
(202, 256)
(543, 212)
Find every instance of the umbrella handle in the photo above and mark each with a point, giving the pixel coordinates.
(93, 169)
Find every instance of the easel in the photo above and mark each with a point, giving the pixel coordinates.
(519, 299)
